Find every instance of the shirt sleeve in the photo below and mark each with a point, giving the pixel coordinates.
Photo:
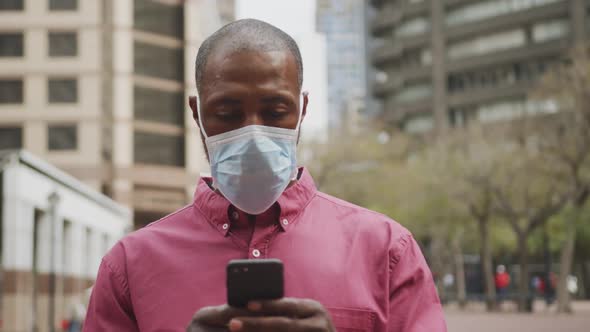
(414, 305)
(110, 305)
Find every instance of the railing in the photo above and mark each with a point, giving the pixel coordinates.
(387, 52)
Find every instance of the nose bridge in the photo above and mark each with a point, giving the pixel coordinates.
(253, 118)
(252, 113)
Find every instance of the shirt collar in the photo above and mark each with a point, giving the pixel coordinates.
(216, 208)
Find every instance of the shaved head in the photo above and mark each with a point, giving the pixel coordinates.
(247, 35)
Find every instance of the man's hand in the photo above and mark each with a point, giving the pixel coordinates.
(287, 314)
(213, 319)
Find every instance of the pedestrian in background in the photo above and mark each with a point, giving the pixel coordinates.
(502, 281)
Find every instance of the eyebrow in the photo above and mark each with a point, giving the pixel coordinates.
(231, 101)
(277, 99)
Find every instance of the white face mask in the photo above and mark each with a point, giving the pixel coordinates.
(253, 165)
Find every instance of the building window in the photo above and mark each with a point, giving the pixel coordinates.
(63, 44)
(159, 106)
(415, 58)
(11, 138)
(11, 91)
(507, 110)
(414, 92)
(11, 44)
(11, 4)
(62, 90)
(500, 111)
(419, 124)
(160, 18)
(551, 30)
(413, 27)
(63, 4)
(62, 137)
(457, 117)
(500, 75)
(157, 149)
(426, 57)
(159, 62)
(487, 44)
(481, 10)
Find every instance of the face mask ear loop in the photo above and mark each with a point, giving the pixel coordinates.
(301, 105)
(203, 128)
(200, 117)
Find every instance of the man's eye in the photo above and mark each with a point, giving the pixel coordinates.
(276, 114)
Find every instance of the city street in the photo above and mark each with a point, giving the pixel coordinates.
(540, 321)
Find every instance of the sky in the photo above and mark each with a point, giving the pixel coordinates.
(297, 18)
(294, 17)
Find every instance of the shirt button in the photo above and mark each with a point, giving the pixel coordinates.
(225, 226)
(235, 215)
(256, 253)
(285, 222)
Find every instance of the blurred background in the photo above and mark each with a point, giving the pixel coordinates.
(467, 121)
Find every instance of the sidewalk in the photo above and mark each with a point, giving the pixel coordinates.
(474, 318)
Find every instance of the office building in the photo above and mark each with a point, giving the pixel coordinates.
(446, 63)
(99, 89)
(343, 24)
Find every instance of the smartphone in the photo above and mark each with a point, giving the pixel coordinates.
(254, 279)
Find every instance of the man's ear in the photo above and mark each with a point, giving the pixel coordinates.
(192, 102)
(305, 103)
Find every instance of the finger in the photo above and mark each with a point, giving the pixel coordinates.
(284, 324)
(290, 307)
(200, 328)
(218, 315)
(261, 324)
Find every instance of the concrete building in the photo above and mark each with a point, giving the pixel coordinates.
(343, 23)
(446, 63)
(99, 88)
(54, 231)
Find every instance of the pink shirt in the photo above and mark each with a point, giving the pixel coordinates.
(366, 269)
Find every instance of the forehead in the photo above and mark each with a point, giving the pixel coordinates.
(250, 68)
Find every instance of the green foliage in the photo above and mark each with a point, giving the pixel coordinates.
(502, 238)
(583, 234)
(406, 182)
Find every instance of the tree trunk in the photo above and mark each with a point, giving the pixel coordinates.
(523, 284)
(460, 273)
(585, 282)
(565, 266)
(436, 249)
(487, 268)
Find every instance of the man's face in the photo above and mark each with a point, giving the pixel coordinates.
(249, 88)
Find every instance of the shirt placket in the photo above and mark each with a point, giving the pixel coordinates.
(261, 238)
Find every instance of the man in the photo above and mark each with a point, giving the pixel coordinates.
(346, 268)
(502, 281)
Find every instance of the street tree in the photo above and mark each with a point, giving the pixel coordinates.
(566, 146)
